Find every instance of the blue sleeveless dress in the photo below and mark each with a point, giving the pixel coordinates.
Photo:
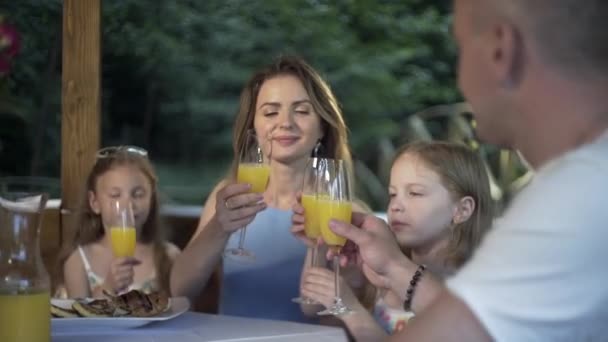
(264, 288)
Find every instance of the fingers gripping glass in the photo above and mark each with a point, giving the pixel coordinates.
(253, 169)
(334, 202)
(311, 213)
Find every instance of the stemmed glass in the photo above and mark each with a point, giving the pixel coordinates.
(311, 213)
(122, 230)
(334, 202)
(254, 168)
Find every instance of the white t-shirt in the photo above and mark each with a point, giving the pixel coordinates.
(541, 274)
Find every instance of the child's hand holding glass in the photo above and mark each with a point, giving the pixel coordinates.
(123, 237)
(121, 274)
(298, 221)
(319, 284)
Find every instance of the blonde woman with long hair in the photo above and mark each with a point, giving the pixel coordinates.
(292, 111)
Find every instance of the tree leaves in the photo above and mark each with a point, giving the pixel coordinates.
(179, 66)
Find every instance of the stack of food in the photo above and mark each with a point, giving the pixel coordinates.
(133, 304)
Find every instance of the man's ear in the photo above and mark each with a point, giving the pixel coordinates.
(507, 54)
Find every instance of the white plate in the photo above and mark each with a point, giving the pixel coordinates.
(178, 305)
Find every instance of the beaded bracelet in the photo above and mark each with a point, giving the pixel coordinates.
(407, 305)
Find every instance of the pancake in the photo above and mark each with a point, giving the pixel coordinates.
(139, 304)
(134, 303)
(97, 308)
(60, 312)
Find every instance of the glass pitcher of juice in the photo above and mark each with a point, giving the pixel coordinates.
(24, 283)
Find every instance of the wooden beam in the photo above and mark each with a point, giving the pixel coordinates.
(50, 240)
(80, 101)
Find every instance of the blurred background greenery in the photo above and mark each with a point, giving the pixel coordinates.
(173, 70)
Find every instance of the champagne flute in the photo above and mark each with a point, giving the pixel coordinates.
(122, 230)
(253, 169)
(334, 202)
(311, 213)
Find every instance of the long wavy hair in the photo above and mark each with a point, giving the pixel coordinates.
(335, 140)
(90, 226)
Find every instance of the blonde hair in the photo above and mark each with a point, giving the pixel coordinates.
(462, 173)
(335, 139)
(90, 226)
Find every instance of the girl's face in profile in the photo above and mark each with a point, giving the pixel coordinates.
(124, 183)
(285, 114)
(420, 209)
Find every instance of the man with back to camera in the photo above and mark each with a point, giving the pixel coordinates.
(536, 75)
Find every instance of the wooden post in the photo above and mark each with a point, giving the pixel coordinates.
(81, 101)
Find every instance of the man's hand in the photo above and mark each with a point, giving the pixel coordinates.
(371, 244)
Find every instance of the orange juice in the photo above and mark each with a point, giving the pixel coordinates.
(328, 210)
(311, 214)
(123, 241)
(25, 317)
(254, 174)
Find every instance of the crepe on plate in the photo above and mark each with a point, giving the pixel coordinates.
(134, 303)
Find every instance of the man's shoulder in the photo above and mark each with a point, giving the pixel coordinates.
(585, 165)
(569, 189)
(593, 155)
(552, 236)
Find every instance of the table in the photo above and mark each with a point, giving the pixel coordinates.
(198, 327)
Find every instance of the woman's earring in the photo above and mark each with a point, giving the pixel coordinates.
(315, 151)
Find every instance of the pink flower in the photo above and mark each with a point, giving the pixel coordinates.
(10, 41)
(10, 44)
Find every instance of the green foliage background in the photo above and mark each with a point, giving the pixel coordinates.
(173, 70)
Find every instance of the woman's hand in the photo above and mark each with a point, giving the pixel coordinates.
(319, 284)
(121, 274)
(236, 207)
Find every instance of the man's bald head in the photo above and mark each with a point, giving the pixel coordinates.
(570, 34)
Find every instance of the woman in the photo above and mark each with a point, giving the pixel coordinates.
(293, 112)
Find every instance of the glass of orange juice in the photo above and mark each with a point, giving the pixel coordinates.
(122, 230)
(254, 169)
(311, 213)
(334, 202)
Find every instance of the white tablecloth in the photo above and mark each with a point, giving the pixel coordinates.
(203, 327)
